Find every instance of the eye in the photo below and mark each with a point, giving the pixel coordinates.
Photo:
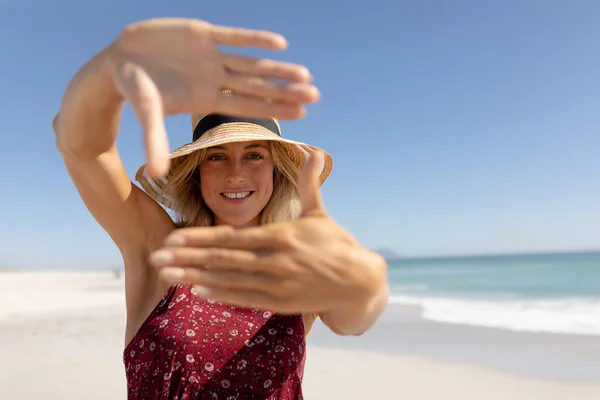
(215, 157)
(255, 156)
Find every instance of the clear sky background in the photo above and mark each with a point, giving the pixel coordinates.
(456, 127)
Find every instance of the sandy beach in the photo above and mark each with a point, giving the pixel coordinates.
(61, 337)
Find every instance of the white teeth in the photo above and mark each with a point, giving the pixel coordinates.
(239, 195)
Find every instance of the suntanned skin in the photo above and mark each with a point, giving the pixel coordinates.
(134, 221)
(150, 66)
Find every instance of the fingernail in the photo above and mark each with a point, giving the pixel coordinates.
(175, 240)
(172, 273)
(162, 257)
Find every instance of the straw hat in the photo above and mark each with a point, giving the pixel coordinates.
(215, 129)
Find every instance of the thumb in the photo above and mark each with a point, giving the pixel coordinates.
(137, 87)
(309, 184)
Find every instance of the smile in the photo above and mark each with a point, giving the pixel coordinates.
(237, 195)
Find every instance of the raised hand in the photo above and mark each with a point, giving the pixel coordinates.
(171, 66)
(307, 265)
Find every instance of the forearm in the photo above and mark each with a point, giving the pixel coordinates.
(88, 121)
(355, 318)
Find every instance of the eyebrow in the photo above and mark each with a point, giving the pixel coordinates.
(250, 146)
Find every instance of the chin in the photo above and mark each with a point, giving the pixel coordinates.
(240, 221)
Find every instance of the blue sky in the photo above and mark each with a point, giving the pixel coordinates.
(456, 127)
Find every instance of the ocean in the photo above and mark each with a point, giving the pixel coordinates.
(558, 293)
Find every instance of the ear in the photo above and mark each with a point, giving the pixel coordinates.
(309, 185)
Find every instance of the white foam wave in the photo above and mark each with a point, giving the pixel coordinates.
(565, 316)
(410, 288)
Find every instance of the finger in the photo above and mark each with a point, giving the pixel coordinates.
(199, 257)
(226, 237)
(232, 260)
(219, 279)
(242, 37)
(138, 88)
(260, 87)
(245, 298)
(266, 68)
(248, 106)
(309, 184)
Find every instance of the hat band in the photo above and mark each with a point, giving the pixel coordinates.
(213, 120)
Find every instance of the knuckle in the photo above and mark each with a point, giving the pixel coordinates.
(279, 265)
(287, 269)
(252, 64)
(256, 84)
(285, 237)
(181, 256)
(218, 256)
(225, 232)
(194, 275)
(129, 32)
(190, 27)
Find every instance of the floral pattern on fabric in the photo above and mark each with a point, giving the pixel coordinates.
(191, 348)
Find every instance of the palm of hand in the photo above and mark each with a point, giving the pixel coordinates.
(173, 66)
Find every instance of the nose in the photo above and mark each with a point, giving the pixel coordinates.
(235, 172)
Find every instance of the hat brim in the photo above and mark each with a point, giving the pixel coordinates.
(232, 132)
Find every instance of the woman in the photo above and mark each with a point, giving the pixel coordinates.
(221, 307)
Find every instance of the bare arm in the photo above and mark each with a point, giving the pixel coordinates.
(150, 65)
(86, 129)
(358, 317)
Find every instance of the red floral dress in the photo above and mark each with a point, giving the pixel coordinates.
(191, 348)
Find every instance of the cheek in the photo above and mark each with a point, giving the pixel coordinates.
(207, 182)
(264, 178)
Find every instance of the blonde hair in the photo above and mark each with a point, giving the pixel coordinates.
(191, 210)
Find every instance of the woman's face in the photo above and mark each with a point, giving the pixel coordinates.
(236, 180)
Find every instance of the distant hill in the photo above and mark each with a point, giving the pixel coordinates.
(388, 254)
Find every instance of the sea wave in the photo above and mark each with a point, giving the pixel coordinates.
(565, 316)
